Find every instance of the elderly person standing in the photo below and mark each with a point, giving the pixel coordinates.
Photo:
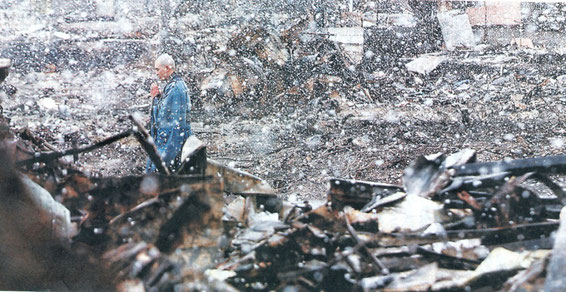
(170, 114)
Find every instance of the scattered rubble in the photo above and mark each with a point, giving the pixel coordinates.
(448, 228)
(346, 91)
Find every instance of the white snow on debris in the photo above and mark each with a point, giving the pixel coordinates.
(425, 64)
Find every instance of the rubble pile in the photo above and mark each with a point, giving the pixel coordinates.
(455, 224)
(477, 226)
(545, 16)
(321, 81)
(295, 94)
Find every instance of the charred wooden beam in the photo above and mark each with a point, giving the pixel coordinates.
(446, 261)
(143, 137)
(290, 275)
(357, 194)
(501, 202)
(492, 236)
(499, 235)
(489, 236)
(49, 156)
(377, 264)
(398, 264)
(545, 165)
(137, 208)
(195, 229)
(531, 244)
(193, 209)
(238, 181)
(468, 183)
(109, 187)
(187, 219)
(5, 65)
(129, 191)
(194, 161)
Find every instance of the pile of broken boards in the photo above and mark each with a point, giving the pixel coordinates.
(455, 224)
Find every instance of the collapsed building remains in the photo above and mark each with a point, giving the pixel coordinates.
(451, 223)
(454, 224)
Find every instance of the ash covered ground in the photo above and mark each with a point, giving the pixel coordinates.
(301, 115)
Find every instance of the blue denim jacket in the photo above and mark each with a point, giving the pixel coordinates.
(170, 122)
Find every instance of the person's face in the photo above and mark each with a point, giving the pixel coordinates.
(163, 72)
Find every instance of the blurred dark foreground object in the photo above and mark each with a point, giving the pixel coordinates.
(4, 68)
(35, 236)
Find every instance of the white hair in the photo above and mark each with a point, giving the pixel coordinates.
(165, 60)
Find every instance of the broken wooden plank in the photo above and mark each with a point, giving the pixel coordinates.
(238, 181)
(49, 156)
(185, 224)
(448, 262)
(468, 183)
(489, 236)
(116, 199)
(523, 281)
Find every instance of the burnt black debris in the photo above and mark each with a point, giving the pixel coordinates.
(177, 231)
(334, 147)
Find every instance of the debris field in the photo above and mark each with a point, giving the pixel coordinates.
(399, 146)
